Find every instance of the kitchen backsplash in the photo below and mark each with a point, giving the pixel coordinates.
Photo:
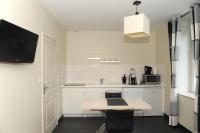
(112, 73)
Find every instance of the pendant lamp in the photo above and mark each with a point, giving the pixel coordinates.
(138, 25)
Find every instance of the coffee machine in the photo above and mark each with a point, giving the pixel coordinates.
(147, 70)
(132, 77)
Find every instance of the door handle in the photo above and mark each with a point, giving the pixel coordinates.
(44, 89)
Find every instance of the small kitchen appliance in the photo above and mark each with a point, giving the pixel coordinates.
(132, 77)
(147, 70)
(151, 79)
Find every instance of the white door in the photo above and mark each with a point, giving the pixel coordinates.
(50, 84)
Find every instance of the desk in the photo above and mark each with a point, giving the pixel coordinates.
(101, 105)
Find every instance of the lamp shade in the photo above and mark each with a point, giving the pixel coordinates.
(136, 26)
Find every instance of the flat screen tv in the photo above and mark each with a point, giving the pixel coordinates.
(17, 45)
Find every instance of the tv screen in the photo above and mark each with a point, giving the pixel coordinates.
(16, 44)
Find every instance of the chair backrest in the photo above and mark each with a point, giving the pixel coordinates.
(118, 120)
(113, 94)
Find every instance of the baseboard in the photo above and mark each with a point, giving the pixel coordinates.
(60, 119)
(166, 116)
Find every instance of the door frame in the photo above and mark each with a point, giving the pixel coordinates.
(42, 76)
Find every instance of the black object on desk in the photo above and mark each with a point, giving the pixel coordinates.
(113, 94)
(116, 102)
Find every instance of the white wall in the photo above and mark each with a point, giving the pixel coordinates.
(111, 73)
(163, 60)
(109, 44)
(20, 89)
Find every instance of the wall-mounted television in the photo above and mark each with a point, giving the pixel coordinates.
(17, 45)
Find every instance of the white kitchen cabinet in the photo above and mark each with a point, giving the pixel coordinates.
(72, 100)
(96, 93)
(133, 93)
(153, 96)
(93, 93)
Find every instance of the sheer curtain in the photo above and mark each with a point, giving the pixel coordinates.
(174, 44)
(195, 35)
(175, 38)
(185, 68)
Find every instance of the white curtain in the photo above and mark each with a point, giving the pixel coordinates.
(195, 35)
(174, 44)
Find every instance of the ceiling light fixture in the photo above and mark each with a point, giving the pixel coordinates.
(138, 25)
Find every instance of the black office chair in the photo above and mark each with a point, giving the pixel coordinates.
(118, 120)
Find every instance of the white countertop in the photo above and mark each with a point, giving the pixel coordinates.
(113, 86)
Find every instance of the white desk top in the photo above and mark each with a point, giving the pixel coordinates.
(101, 105)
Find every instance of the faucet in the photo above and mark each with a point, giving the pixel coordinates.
(101, 81)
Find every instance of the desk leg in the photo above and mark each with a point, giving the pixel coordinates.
(102, 129)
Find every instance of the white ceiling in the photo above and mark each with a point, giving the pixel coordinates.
(109, 14)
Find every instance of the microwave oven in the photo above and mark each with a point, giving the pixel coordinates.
(151, 79)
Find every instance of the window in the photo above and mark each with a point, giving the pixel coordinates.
(185, 65)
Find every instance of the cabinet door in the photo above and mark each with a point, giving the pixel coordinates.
(93, 93)
(133, 93)
(96, 93)
(72, 100)
(153, 96)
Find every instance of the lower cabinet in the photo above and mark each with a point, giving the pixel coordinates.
(96, 93)
(153, 96)
(133, 93)
(93, 93)
(73, 98)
